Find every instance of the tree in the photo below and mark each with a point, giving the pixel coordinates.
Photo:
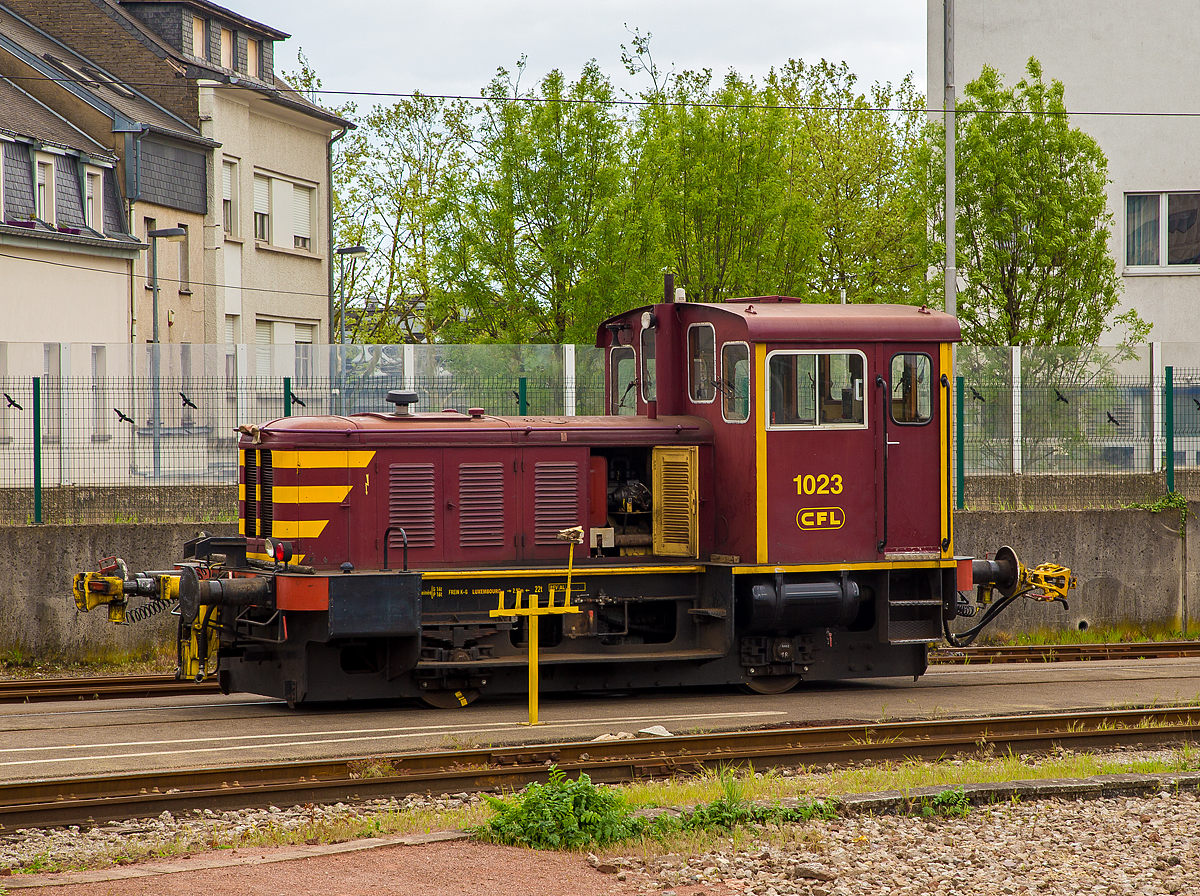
(539, 235)
(1033, 225)
(861, 161)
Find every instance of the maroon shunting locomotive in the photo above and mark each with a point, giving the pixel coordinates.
(767, 500)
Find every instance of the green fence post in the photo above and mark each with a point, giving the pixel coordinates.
(960, 456)
(522, 396)
(1169, 398)
(37, 450)
(287, 396)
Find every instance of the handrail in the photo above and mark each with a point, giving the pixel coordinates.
(387, 534)
(880, 382)
(949, 456)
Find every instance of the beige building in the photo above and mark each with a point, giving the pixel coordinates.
(256, 264)
(1112, 58)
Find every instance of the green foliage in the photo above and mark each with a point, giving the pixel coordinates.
(560, 814)
(1169, 501)
(952, 803)
(732, 810)
(1033, 225)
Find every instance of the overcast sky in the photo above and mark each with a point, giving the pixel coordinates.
(454, 46)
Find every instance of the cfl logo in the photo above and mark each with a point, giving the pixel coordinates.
(821, 518)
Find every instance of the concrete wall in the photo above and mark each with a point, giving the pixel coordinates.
(37, 564)
(1130, 563)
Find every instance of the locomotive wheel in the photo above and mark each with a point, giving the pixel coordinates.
(450, 699)
(771, 684)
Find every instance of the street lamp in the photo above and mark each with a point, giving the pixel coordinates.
(171, 235)
(353, 252)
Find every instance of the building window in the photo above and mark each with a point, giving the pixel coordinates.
(264, 332)
(45, 192)
(1151, 237)
(93, 201)
(302, 217)
(812, 389)
(185, 268)
(199, 37)
(228, 197)
(226, 48)
(252, 65)
(304, 353)
(262, 208)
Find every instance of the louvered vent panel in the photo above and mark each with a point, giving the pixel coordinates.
(266, 498)
(555, 500)
(251, 518)
(481, 505)
(411, 504)
(676, 502)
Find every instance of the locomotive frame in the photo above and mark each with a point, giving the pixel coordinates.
(766, 501)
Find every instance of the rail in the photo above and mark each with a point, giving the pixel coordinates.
(1061, 653)
(84, 800)
(45, 690)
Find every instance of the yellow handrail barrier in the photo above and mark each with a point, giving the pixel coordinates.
(533, 611)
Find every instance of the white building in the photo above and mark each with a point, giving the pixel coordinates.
(1112, 57)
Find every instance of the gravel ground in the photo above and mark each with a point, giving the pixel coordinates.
(1105, 846)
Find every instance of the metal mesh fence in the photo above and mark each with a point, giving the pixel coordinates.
(157, 441)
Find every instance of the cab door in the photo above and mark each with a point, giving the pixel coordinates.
(911, 435)
(819, 452)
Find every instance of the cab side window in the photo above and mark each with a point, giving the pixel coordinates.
(735, 382)
(623, 377)
(702, 363)
(912, 388)
(649, 384)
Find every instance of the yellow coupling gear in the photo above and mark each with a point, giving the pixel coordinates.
(94, 589)
(1050, 581)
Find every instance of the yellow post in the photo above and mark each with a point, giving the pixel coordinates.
(533, 611)
(533, 666)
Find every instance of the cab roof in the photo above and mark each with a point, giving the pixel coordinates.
(786, 319)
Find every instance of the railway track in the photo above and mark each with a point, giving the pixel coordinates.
(28, 690)
(1061, 653)
(85, 800)
(43, 690)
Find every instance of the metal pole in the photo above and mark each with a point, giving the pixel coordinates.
(1169, 415)
(154, 364)
(342, 333)
(287, 396)
(960, 444)
(951, 285)
(522, 396)
(533, 633)
(37, 450)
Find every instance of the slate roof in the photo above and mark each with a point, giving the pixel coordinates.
(55, 59)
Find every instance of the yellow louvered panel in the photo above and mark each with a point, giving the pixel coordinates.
(675, 502)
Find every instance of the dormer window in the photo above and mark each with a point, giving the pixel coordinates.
(226, 48)
(45, 192)
(199, 37)
(252, 64)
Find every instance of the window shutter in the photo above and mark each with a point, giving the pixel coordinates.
(229, 329)
(304, 334)
(262, 195)
(263, 331)
(301, 211)
(676, 527)
(227, 185)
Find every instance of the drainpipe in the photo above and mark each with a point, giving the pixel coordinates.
(329, 222)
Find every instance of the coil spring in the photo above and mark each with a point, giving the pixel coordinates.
(148, 609)
(964, 608)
